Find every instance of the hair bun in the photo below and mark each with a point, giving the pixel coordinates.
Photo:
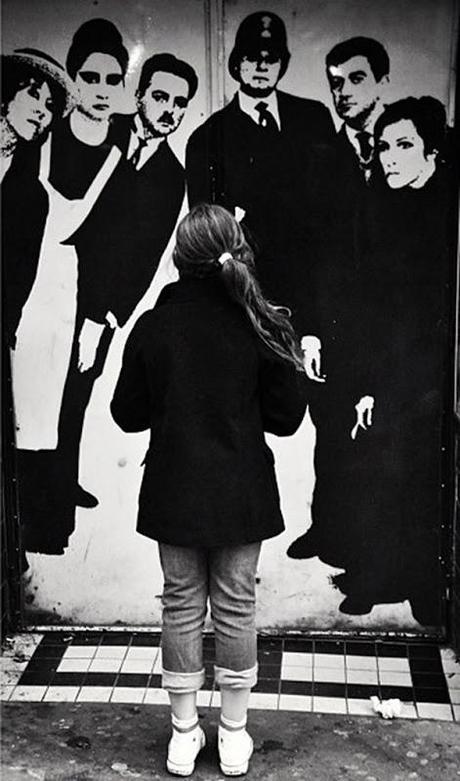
(97, 30)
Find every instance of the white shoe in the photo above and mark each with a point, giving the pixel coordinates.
(235, 751)
(183, 750)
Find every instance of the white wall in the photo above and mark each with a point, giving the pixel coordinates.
(101, 582)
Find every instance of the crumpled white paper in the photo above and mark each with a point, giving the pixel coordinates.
(388, 709)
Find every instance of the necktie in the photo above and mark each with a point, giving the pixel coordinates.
(135, 157)
(266, 118)
(365, 147)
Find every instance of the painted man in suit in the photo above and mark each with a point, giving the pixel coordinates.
(357, 71)
(122, 241)
(262, 156)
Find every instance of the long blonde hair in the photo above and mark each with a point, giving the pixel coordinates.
(203, 236)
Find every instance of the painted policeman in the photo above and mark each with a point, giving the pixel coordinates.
(262, 156)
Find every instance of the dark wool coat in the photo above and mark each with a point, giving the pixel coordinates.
(195, 373)
(281, 180)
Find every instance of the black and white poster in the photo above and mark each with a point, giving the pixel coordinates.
(327, 128)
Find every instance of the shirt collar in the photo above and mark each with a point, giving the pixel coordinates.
(248, 106)
(151, 144)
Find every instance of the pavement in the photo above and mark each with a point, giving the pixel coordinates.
(102, 742)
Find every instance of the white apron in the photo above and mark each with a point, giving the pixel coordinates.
(44, 337)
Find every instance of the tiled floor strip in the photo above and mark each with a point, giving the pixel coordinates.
(321, 676)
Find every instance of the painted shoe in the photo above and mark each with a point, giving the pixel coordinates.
(235, 751)
(356, 606)
(183, 750)
(304, 547)
(83, 498)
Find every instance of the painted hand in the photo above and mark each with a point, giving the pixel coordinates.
(88, 342)
(311, 347)
(364, 409)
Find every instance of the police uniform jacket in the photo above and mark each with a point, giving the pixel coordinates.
(280, 179)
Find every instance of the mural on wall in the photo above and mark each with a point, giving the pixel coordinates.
(105, 174)
(378, 408)
(349, 214)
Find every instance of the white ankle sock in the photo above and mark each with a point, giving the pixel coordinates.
(231, 725)
(184, 725)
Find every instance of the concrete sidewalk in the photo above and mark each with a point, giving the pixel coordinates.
(102, 742)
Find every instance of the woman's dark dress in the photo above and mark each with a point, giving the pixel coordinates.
(377, 499)
(195, 373)
(24, 204)
(24, 213)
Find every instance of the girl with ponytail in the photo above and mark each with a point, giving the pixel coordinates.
(211, 368)
(208, 229)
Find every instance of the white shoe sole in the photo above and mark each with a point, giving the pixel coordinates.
(236, 770)
(185, 770)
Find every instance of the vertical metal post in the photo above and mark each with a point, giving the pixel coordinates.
(215, 53)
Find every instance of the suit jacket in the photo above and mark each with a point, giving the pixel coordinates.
(281, 180)
(121, 242)
(195, 373)
(335, 306)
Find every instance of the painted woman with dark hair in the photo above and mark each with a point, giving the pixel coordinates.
(34, 96)
(389, 489)
(75, 164)
(97, 62)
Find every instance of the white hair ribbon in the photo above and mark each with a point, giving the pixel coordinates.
(224, 257)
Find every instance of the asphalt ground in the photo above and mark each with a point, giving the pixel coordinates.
(102, 742)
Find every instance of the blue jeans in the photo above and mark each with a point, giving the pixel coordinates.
(227, 576)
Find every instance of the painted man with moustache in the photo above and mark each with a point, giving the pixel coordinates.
(121, 243)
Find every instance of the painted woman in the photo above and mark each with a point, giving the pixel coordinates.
(34, 97)
(75, 164)
(405, 263)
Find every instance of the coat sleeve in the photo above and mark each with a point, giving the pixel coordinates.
(130, 406)
(326, 124)
(283, 397)
(201, 167)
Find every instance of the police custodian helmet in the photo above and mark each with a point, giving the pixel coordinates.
(261, 31)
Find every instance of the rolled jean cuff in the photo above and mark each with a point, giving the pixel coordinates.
(182, 683)
(235, 679)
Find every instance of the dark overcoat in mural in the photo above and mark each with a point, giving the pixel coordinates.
(280, 179)
(195, 373)
(119, 248)
(385, 527)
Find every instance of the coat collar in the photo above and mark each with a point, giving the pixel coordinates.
(193, 289)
